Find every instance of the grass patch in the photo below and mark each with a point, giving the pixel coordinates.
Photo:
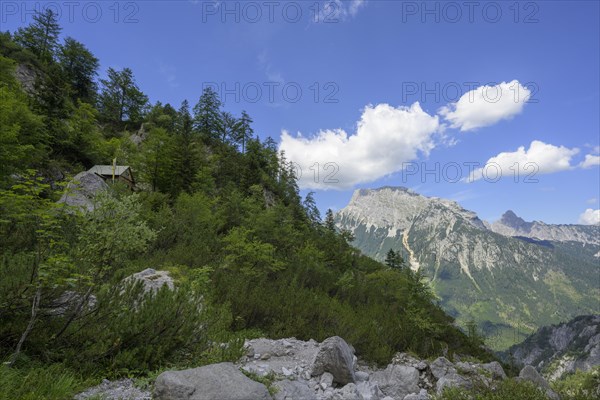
(509, 389)
(41, 382)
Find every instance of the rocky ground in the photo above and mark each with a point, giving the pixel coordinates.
(300, 370)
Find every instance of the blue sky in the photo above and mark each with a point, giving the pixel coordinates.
(504, 86)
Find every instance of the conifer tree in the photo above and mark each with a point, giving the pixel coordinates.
(329, 220)
(207, 116)
(121, 100)
(41, 37)
(80, 68)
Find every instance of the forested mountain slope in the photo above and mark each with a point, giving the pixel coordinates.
(510, 286)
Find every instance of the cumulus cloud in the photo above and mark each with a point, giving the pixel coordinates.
(486, 105)
(385, 138)
(591, 160)
(540, 158)
(590, 217)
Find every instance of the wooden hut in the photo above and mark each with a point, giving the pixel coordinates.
(116, 173)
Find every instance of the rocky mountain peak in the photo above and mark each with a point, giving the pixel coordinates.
(510, 224)
(396, 207)
(512, 220)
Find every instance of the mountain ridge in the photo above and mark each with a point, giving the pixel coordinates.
(511, 286)
(560, 349)
(512, 225)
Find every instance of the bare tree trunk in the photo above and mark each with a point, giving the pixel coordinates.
(34, 310)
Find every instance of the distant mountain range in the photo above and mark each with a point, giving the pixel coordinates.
(512, 225)
(509, 285)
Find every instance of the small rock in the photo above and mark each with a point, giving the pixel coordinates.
(421, 366)
(152, 279)
(422, 395)
(452, 380)
(369, 390)
(326, 379)
(495, 369)
(397, 380)
(361, 376)
(265, 356)
(336, 357)
(348, 392)
(529, 373)
(293, 390)
(441, 366)
(465, 367)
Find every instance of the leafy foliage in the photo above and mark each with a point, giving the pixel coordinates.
(218, 208)
(580, 385)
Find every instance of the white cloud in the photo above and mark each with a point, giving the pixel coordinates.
(169, 74)
(486, 105)
(355, 6)
(591, 160)
(593, 200)
(338, 10)
(385, 138)
(264, 64)
(590, 217)
(540, 158)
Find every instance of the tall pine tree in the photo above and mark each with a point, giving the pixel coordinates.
(121, 101)
(80, 68)
(41, 37)
(207, 116)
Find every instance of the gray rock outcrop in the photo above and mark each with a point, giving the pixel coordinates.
(212, 382)
(336, 357)
(561, 349)
(308, 370)
(530, 374)
(152, 279)
(293, 390)
(397, 381)
(82, 190)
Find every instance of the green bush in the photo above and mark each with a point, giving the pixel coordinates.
(509, 389)
(580, 385)
(131, 332)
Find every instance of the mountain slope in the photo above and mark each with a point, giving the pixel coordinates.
(559, 349)
(510, 286)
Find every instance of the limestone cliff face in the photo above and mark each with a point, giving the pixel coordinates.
(510, 285)
(560, 349)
